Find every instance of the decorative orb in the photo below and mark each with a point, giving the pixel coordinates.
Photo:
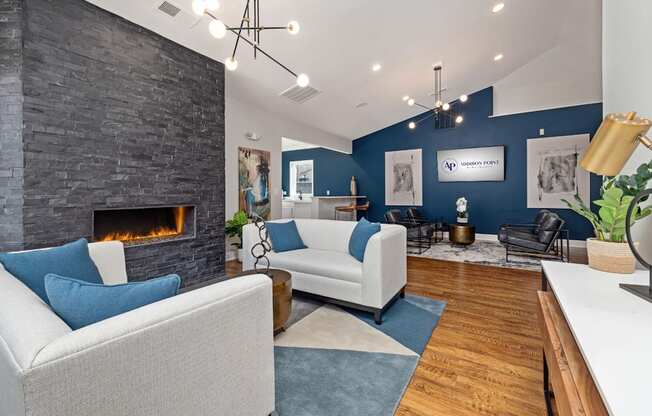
(412, 125)
(459, 119)
(464, 98)
(410, 102)
(446, 107)
(199, 7)
(293, 27)
(303, 80)
(231, 63)
(217, 29)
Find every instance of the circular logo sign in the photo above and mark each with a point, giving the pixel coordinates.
(450, 165)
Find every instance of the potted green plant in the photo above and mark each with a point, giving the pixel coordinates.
(609, 251)
(233, 229)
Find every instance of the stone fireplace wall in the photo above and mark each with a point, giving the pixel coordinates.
(116, 116)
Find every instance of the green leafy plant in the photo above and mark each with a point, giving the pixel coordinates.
(617, 194)
(233, 227)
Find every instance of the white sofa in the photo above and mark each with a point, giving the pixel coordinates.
(205, 352)
(327, 270)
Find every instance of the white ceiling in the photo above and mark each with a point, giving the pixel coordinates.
(288, 145)
(340, 40)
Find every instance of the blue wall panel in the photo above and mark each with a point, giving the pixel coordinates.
(490, 203)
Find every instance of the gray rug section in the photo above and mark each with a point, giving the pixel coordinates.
(320, 382)
(302, 307)
(481, 252)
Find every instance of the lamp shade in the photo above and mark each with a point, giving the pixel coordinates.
(614, 143)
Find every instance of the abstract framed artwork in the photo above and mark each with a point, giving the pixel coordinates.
(404, 178)
(554, 172)
(254, 182)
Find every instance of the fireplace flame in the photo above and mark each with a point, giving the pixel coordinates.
(179, 219)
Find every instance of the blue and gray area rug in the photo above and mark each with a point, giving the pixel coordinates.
(334, 361)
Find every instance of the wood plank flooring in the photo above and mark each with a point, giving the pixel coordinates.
(485, 357)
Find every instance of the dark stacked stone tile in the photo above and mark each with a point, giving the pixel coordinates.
(114, 116)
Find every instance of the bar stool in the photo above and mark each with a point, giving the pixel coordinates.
(352, 209)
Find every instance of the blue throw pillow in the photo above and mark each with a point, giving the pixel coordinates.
(80, 303)
(360, 236)
(284, 236)
(71, 259)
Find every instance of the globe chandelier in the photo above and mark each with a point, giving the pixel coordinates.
(446, 114)
(248, 31)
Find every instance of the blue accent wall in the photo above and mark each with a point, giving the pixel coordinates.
(333, 170)
(490, 203)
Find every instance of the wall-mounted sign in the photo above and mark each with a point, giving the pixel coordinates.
(471, 165)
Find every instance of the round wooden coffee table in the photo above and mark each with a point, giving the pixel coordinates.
(462, 234)
(281, 294)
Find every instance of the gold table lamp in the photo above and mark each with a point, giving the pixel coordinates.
(614, 143)
(610, 149)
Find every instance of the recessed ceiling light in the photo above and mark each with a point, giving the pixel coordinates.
(498, 57)
(498, 7)
(406, 97)
(376, 67)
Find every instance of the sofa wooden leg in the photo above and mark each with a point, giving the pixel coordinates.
(402, 295)
(378, 317)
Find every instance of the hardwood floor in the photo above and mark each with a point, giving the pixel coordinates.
(485, 357)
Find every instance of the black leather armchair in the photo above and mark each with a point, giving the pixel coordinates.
(544, 238)
(419, 235)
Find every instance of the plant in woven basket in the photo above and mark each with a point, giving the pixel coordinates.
(233, 227)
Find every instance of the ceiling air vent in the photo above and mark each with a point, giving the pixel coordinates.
(300, 95)
(169, 9)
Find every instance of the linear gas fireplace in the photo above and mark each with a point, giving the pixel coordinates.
(141, 226)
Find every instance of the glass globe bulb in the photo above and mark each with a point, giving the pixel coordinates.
(217, 29)
(446, 107)
(412, 125)
(293, 27)
(406, 97)
(199, 7)
(459, 119)
(212, 5)
(303, 80)
(231, 63)
(464, 98)
(410, 102)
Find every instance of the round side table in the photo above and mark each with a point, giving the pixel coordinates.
(281, 295)
(462, 234)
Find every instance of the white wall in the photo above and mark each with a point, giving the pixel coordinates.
(242, 117)
(568, 74)
(627, 67)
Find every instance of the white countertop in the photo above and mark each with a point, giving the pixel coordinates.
(340, 197)
(613, 329)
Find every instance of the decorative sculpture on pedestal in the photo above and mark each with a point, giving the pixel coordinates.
(259, 250)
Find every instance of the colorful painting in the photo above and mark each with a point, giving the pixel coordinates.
(254, 184)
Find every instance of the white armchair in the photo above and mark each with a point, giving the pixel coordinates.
(327, 270)
(205, 352)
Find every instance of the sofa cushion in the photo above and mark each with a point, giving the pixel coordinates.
(360, 236)
(549, 227)
(285, 236)
(72, 259)
(333, 264)
(524, 239)
(80, 303)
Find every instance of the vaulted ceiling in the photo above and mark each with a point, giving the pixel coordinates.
(341, 39)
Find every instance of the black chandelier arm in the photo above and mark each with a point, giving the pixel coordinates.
(424, 118)
(244, 39)
(235, 29)
(423, 106)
